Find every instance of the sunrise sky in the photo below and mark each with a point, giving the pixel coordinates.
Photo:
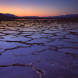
(39, 7)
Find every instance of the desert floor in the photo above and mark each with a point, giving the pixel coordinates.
(38, 49)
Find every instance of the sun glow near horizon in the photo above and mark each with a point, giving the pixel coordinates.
(29, 11)
(38, 8)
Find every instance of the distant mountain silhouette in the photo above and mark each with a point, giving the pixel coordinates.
(7, 16)
(62, 17)
(57, 17)
(10, 15)
(67, 16)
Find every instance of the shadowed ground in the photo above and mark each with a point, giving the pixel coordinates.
(38, 49)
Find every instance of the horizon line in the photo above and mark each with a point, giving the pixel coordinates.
(39, 16)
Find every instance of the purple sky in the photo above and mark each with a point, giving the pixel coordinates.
(39, 7)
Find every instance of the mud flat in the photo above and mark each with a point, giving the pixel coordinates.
(38, 49)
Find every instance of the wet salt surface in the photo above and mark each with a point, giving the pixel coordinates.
(38, 49)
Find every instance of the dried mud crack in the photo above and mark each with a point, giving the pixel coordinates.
(39, 72)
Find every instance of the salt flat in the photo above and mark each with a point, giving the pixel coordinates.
(38, 49)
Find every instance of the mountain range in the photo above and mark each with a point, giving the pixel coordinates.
(12, 17)
(7, 16)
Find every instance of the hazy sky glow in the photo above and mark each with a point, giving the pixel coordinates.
(39, 7)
